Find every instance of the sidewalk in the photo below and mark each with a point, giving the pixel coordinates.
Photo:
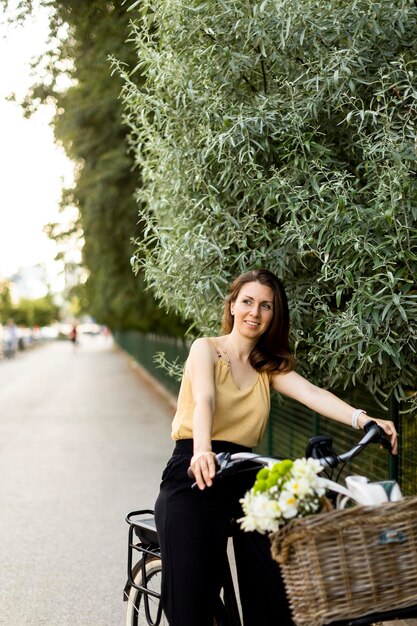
(83, 440)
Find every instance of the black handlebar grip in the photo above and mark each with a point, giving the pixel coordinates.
(380, 435)
(385, 442)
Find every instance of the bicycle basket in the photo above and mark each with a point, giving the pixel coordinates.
(346, 564)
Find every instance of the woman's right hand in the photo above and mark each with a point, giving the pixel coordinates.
(203, 466)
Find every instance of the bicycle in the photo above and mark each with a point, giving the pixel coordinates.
(142, 589)
(9, 350)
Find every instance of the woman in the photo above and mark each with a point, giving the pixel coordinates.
(223, 405)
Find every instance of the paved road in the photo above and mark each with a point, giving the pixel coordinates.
(82, 440)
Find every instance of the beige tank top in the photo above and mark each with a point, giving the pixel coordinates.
(240, 415)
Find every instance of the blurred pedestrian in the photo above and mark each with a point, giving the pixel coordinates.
(74, 335)
(10, 339)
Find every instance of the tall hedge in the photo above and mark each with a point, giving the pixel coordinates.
(282, 134)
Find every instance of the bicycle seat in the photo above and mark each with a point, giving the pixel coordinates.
(145, 530)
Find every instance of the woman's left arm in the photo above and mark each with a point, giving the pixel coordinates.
(326, 403)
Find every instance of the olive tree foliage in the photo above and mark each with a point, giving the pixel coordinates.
(281, 134)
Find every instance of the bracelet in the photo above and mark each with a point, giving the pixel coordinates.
(355, 416)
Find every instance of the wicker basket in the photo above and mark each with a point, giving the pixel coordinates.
(347, 564)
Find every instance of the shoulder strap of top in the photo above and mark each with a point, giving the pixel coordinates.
(216, 347)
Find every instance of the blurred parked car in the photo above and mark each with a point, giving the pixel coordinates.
(48, 332)
(89, 328)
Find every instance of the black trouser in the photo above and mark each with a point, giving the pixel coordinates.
(193, 528)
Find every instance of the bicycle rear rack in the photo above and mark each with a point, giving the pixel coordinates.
(148, 547)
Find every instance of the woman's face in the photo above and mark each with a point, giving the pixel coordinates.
(253, 309)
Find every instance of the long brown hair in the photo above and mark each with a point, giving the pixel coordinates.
(272, 352)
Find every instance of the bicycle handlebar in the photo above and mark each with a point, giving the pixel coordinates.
(373, 434)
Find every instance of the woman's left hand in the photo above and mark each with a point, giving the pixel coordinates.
(389, 429)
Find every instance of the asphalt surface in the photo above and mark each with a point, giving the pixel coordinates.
(83, 440)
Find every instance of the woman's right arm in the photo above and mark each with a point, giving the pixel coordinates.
(200, 371)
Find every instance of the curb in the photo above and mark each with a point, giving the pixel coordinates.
(148, 379)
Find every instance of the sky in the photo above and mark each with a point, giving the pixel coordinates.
(32, 168)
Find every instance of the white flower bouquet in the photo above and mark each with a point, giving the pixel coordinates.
(282, 492)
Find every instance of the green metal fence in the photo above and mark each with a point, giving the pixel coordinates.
(291, 423)
(144, 349)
